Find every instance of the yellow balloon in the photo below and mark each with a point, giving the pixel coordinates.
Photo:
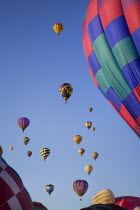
(88, 168)
(11, 148)
(58, 28)
(104, 197)
(88, 124)
(77, 139)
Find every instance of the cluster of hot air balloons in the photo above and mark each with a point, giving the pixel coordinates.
(81, 186)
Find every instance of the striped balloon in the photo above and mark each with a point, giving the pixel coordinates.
(77, 139)
(23, 123)
(38, 206)
(111, 40)
(44, 152)
(80, 187)
(49, 188)
(25, 140)
(88, 124)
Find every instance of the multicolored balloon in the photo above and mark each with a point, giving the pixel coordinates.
(88, 168)
(80, 187)
(13, 194)
(38, 206)
(49, 188)
(44, 152)
(88, 124)
(58, 28)
(25, 140)
(81, 151)
(66, 90)
(23, 123)
(29, 153)
(110, 32)
(95, 155)
(77, 139)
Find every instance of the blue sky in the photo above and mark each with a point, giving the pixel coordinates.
(34, 62)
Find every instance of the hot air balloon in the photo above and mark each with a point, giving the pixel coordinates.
(110, 33)
(49, 188)
(90, 109)
(66, 90)
(88, 124)
(38, 206)
(81, 151)
(23, 123)
(29, 153)
(77, 139)
(1, 151)
(93, 128)
(11, 148)
(44, 152)
(13, 194)
(80, 187)
(104, 196)
(25, 140)
(95, 155)
(88, 168)
(128, 202)
(58, 28)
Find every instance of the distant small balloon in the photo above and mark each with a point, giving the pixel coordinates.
(88, 168)
(49, 188)
(95, 155)
(81, 151)
(23, 123)
(77, 139)
(29, 153)
(93, 128)
(11, 148)
(25, 140)
(44, 152)
(66, 90)
(88, 124)
(58, 28)
(90, 109)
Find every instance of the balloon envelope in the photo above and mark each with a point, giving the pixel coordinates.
(58, 28)
(129, 202)
(25, 140)
(13, 194)
(44, 152)
(49, 188)
(23, 123)
(38, 206)
(80, 187)
(77, 139)
(110, 32)
(66, 90)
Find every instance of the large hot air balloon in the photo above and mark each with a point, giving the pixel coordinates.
(88, 124)
(23, 123)
(88, 168)
(44, 152)
(66, 90)
(77, 139)
(49, 188)
(25, 140)
(29, 153)
(58, 28)
(128, 202)
(38, 206)
(81, 151)
(80, 187)
(13, 194)
(110, 32)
